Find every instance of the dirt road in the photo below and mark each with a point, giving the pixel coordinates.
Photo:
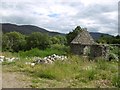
(15, 80)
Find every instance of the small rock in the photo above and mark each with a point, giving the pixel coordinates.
(32, 64)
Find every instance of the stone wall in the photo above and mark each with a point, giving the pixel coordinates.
(95, 51)
(99, 51)
(80, 49)
(77, 49)
(90, 50)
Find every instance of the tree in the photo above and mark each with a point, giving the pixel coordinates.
(62, 39)
(58, 39)
(6, 43)
(38, 40)
(54, 40)
(13, 41)
(116, 40)
(109, 39)
(71, 35)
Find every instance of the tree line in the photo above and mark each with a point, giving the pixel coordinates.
(109, 39)
(15, 41)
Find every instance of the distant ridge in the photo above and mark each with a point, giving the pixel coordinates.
(28, 29)
(97, 35)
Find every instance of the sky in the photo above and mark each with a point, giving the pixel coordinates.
(62, 15)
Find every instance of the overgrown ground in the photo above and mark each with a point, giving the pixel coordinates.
(75, 72)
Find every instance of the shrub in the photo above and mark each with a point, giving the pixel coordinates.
(38, 40)
(13, 41)
(55, 49)
(30, 53)
(60, 47)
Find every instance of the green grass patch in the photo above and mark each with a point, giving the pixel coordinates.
(41, 53)
(116, 80)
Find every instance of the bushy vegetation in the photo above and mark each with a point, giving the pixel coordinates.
(43, 53)
(109, 39)
(15, 41)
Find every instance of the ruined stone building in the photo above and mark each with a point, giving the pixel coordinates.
(83, 44)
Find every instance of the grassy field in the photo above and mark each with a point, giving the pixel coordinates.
(75, 72)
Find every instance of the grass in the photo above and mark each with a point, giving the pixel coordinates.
(116, 80)
(73, 72)
(40, 53)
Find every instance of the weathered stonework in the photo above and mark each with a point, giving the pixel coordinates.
(83, 44)
(99, 51)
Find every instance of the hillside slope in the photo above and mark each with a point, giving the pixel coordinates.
(28, 29)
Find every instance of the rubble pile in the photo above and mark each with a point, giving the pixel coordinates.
(8, 59)
(50, 59)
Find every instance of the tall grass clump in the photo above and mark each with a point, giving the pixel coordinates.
(86, 75)
(41, 53)
(47, 73)
(116, 80)
(91, 74)
(102, 64)
(10, 54)
(60, 70)
(30, 53)
(52, 72)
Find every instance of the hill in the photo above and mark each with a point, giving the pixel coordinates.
(28, 29)
(97, 35)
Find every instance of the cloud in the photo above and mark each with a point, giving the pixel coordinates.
(63, 16)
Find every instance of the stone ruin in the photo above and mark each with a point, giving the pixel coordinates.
(83, 44)
(99, 50)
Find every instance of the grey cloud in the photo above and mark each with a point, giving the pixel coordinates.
(27, 15)
(95, 12)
